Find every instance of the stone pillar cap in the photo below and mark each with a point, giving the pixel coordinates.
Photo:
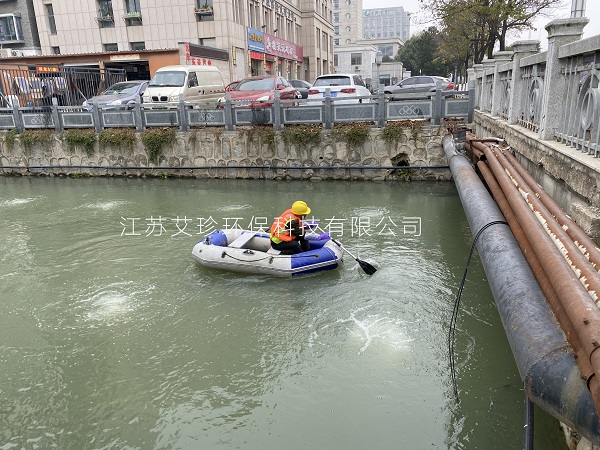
(566, 27)
(488, 62)
(503, 56)
(526, 46)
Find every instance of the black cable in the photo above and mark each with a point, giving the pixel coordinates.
(456, 305)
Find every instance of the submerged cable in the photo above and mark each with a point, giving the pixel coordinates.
(456, 305)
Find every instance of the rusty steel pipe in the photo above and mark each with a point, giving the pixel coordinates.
(539, 272)
(581, 309)
(586, 245)
(544, 358)
(586, 273)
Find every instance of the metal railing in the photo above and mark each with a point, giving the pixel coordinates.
(69, 86)
(378, 109)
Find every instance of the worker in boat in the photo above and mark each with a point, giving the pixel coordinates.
(287, 232)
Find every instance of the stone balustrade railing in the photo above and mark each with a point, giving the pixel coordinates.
(555, 93)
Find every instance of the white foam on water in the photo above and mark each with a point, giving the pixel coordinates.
(106, 205)
(370, 328)
(17, 201)
(113, 303)
(235, 207)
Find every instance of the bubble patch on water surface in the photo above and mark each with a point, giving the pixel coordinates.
(370, 212)
(17, 202)
(106, 205)
(114, 303)
(369, 328)
(234, 207)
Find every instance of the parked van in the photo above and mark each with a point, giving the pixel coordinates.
(202, 84)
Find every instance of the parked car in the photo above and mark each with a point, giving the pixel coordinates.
(301, 86)
(119, 96)
(344, 88)
(418, 84)
(259, 91)
(231, 86)
(195, 84)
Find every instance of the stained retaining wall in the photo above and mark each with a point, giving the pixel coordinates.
(244, 153)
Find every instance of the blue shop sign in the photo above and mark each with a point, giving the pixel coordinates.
(256, 40)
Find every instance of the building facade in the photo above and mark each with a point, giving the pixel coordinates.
(18, 29)
(386, 23)
(293, 38)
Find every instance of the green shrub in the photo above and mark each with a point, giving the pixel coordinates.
(118, 137)
(82, 138)
(29, 138)
(264, 134)
(355, 134)
(154, 139)
(302, 135)
(10, 138)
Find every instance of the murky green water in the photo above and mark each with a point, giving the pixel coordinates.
(112, 337)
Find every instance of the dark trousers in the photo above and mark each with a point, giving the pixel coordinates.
(291, 248)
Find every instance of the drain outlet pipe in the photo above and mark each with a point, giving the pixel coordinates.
(543, 356)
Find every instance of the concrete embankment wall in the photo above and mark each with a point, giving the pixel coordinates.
(248, 152)
(568, 175)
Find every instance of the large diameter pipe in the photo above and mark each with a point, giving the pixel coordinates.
(544, 359)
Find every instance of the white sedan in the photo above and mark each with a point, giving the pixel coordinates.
(344, 88)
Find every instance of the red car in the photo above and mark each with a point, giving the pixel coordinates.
(260, 91)
(231, 86)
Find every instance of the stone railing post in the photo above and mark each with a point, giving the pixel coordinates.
(560, 32)
(138, 117)
(521, 49)
(380, 108)
(56, 116)
(17, 116)
(500, 58)
(182, 109)
(277, 111)
(486, 88)
(478, 70)
(328, 110)
(437, 103)
(229, 124)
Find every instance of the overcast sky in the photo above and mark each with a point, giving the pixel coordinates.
(592, 11)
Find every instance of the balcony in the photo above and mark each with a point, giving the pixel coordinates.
(133, 15)
(132, 18)
(204, 11)
(105, 20)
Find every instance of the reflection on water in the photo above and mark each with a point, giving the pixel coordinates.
(119, 340)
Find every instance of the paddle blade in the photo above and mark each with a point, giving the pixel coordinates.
(368, 268)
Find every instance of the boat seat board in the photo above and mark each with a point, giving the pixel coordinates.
(242, 240)
(272, 251)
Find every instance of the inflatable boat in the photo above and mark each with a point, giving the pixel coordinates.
(248, 251)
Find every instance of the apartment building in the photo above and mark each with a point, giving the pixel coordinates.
(242, 37)
(18, 30)
(385, 23)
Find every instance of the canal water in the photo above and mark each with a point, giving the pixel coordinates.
(112, 337)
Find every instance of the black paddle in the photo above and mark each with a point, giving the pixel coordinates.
(368, 268)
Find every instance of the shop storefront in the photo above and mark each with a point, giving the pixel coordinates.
(285, 57)
(256, 52)
(271, 55)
